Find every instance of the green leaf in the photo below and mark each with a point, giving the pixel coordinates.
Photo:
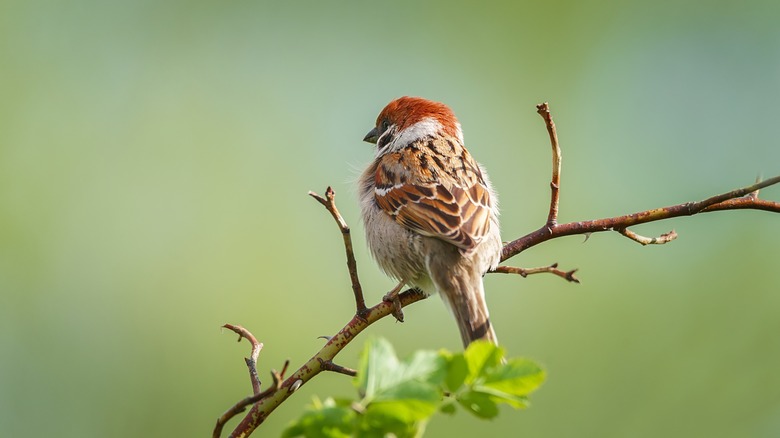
(516, 401)
(382, 377)
(518, 377)
(481, 357)
(491, 382)
(328, 419)
(398, 396)
(412, 392)
(382, 418)
(375, 424)
(457, 371)
(377, 360)
(447, 408)
(479, 403)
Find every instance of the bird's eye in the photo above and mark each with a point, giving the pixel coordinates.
(385, 125)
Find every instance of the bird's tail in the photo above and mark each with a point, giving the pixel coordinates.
(465, 296)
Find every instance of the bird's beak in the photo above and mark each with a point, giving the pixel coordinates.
(372, 136)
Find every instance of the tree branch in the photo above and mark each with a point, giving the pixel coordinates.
(733, 200)
(251, 363)
(742, 198)
(525, 272)
(269, 400)
(660, 240)
(329, 202)
(330, 366)
(555, 185)
(265, 402)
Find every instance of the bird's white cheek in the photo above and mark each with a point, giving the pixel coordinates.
(425, 128)
(459, 133)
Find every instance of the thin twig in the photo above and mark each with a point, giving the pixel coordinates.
(555, 184)
(284, 369)
(552, 269)
(329, 201)
(328, 365)
(251, 361)
(660, 240)
(747, 202)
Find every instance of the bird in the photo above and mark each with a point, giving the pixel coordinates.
(429, 211)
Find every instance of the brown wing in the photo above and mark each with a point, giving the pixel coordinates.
(442, 195)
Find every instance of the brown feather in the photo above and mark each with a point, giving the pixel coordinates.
(448, 201)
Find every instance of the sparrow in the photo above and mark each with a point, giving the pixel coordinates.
(429, 211)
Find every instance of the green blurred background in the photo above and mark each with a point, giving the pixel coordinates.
(155, 158)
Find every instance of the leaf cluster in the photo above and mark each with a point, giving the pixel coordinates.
(398, 397)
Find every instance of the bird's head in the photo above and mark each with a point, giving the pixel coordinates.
(408, 119)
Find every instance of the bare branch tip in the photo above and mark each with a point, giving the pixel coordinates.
(570, 276)
(318, 198)
(671, 235)
(239, 330)
(552, 269)
(328, 365)
(642, 240)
